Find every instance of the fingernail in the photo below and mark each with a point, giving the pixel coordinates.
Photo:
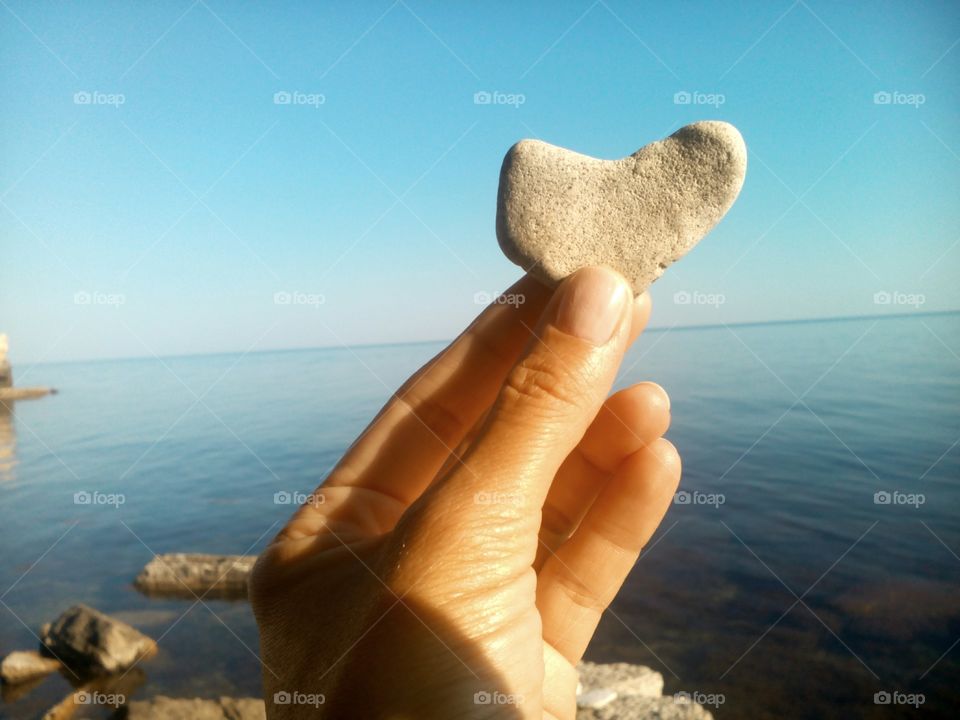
(592, 304)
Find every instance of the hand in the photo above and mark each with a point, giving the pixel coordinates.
(457, 560)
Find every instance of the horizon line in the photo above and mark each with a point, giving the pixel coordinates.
(660, 328)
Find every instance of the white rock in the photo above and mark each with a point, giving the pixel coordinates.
(595, 699)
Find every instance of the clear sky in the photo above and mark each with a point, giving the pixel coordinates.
(156, 198)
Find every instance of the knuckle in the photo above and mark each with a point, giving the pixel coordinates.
(540, 381)
(579, 593)
(439, 420)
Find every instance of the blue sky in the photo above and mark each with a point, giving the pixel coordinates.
(164, 215)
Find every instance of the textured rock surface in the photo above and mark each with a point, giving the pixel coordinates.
(91, 642)
(164, 708)
(558, 211)
(186, 574)
(637, 707)
(22, 665)
(624, 678)
(638, 692)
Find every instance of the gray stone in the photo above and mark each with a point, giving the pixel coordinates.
(165, 708)
(558, 210)
(637, 707)
(186, 574)
(23, 665)
(624, 678)
(91, 642)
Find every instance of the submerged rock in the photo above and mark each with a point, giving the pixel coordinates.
(165, 708)
(23, 665)
(91, 642)
(189, 574)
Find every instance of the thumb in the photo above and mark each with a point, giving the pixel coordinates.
(542, 410)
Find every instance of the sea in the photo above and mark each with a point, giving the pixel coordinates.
(808, 568)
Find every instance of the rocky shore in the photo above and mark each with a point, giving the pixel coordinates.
(101, 654)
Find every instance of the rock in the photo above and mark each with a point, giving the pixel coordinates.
(601, 697)
(25, 393)
(165, 708)
(92, 643)
(102, 692)
(624, 678)
(23, 665)
(558, 211)
(637, 707)
(6, 372)
(187, 574)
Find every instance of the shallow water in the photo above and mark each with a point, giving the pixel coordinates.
(796, 426)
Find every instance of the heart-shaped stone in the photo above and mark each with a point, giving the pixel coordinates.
(558, 211)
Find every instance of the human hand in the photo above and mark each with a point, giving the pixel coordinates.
(468, 542)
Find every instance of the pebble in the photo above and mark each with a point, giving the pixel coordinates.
(559, 211)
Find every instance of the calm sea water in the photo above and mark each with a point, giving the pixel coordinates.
(799, 595)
